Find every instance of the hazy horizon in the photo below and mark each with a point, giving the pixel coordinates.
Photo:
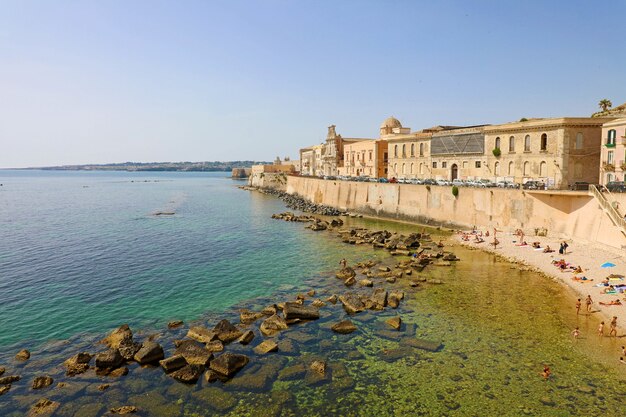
(96, 83)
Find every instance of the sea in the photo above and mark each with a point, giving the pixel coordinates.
(83, 252)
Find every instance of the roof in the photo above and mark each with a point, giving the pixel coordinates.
(391, 122)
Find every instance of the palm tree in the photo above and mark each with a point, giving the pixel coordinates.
(605, 104)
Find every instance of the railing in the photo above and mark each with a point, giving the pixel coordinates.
(600, 192)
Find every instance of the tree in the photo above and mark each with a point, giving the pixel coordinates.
(605, 104)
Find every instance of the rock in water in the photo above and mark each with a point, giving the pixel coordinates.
(297, 311)
(119, 337)
(379, 297)
(273, 325)
(188, 374)
(352, 303)
(150, 352)
(126, 409)
(227, 332)
(2, 370)
(247, 337)
(346, 273)
(318, 303)
(266, 347)
(228, 363)
(174, 324)
(344, 327)
(44, 407)
(215, 346)
(332, 299)
(109, 359)
(23, 355)
(5, 380)
(395, 322)
(42, 382)
(366, 283)
(77, 364)
(349, 282)
(201, 334)
(193, 352)
(4, 389)
(319, 367)
(173, 363)
(247, 317)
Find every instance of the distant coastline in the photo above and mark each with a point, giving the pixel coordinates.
(207, 166)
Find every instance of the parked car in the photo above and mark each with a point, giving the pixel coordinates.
(458, 183)
(533, 185)
(429, 181)
(616, 186)
(487, 183)
(384, 180)
(579, 186)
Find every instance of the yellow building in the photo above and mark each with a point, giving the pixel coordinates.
(365, 158)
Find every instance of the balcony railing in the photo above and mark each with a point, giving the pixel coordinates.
(609, 144)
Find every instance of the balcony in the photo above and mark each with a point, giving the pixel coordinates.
(608, 167)
(609, 144)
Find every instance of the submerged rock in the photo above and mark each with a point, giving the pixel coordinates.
(188, 374)
(289, 373)
(352, 303)
(23, 355)
(266, 347)
(428, 345)
(77, 364)
(344, 327)
(229, 363)
(42, 382)
(174, 324)
(125, 409)
(173, 363)
(44, 407)
(394, 322)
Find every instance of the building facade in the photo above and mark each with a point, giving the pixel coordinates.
(365, 158)
(613, 151)
(311, 160)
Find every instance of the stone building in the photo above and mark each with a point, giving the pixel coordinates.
(457, 153)
(613, 151)
(555, 151)
(365, 158)
(311, 160)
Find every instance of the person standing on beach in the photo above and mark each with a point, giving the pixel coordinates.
(578, 304)
(589, 302)
(613, 331)
(601, 329)
(565, 245)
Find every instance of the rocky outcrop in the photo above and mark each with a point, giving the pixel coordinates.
(295, 202)
(228, 364)
(109, 359)
(226, 332)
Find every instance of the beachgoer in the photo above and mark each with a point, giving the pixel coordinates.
(546, 372)
(611, 303)
(589, 302)
(565, 245)
(561, 249)
(548, 249)
(613, 331)
(578, 304)
(578, 270)
(343, 262)
(622, 360)
(576, 333)
(487, 233)
(624, 350)
(601, 329)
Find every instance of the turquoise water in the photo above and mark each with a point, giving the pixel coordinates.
(81, 253)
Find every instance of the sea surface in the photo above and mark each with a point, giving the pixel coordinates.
(84, 252)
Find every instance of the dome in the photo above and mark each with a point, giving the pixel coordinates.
(391, 122)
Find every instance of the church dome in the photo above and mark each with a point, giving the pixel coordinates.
(391, 122)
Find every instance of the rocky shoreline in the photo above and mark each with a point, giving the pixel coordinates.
(217, 354)
(295, 202)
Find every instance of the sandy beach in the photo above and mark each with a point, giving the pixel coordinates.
(587, 255)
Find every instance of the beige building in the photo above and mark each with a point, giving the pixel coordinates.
(365, 158)
(311, 160)
(613, 151)
(556, 151)
(457, 153)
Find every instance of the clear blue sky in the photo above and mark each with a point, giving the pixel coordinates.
(113, 81)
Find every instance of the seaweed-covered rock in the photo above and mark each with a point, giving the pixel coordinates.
(216, 398)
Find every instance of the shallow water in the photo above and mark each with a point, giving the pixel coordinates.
(497, 324)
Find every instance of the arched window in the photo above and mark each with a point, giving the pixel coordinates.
(544, 142)
(498, 142)
(412, 150)
(525, 172)
(511, 168)
(527, 143)
(395, 151)
(579, 140)
(403, 169)
(543, 169)
(512, 144)
(411, 166)
(421, 168)
(610, 140)
(496, 168)
(421, 150)
(403, 151)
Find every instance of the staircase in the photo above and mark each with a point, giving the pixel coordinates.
(600, 192)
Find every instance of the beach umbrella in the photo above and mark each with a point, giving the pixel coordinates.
(607, 265)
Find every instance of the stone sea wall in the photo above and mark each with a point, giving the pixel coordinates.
(563, 215)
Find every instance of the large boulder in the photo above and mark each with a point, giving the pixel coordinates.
(150, 352)
(272, 325)
(343, 327)
(119, 337)
(352, 303)
(298, 311)
(379, 297)
(227, 332)
(201, 334)
(346, 273)
(109, 359)
(193, 352)
(228, 363)
(246, 337)
(173, 363)
(77, 364)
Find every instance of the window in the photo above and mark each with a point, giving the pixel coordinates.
(512, 144)
(544, 142)
(527, 143)
(579, 141)
(403, 171)
(411, 167)
(609, 157)
(464, 164)
(543, 169)
(404, 151)
(477, 164)
(395, 169)
(610, 140)
(395, 151)
(511, 168)
(421, 169)
(526, 165)
(412, 150)
(434, 164)
(370, 154)
(421, 149)
(444, 165)
(498, 142)
(496, 169)
(358, 157)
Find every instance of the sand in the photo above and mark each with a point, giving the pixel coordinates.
(588, 255)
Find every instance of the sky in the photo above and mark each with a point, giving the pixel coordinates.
(114, 81)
